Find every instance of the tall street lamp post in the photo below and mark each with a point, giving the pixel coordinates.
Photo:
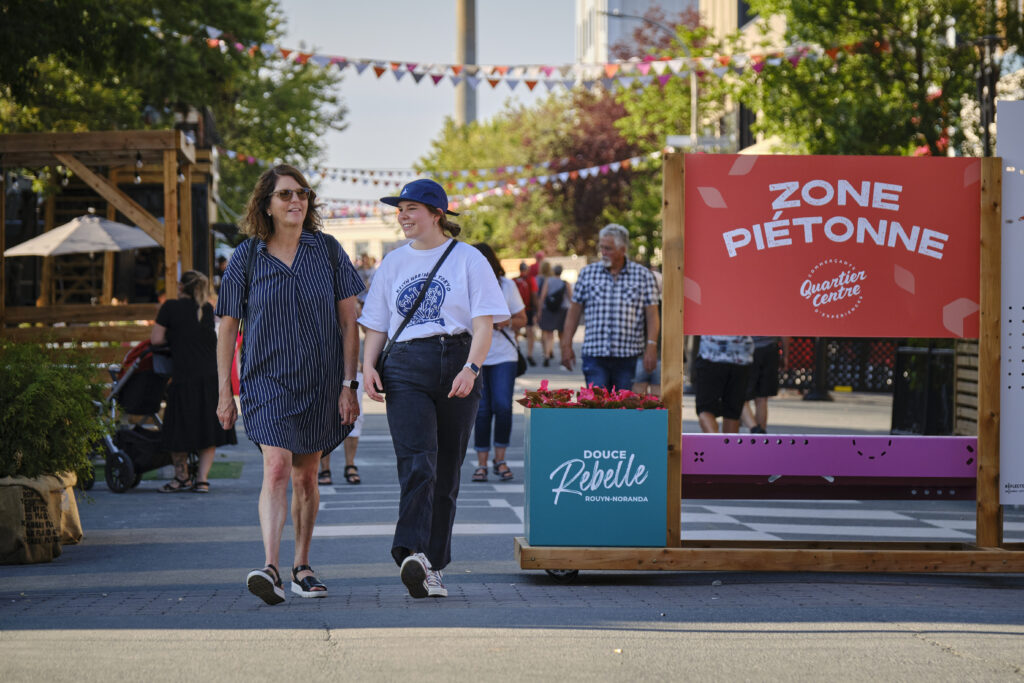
(675, 38)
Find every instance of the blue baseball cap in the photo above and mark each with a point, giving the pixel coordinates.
(424, 191)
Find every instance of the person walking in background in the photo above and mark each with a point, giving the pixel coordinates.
(498, 379)
(722, 368)
(351, 445)
(190, 420)
(649, 381)
(527, 285)
(763, 381)
(430, 372)
(620, 300)
(554, 303)
(296, 290)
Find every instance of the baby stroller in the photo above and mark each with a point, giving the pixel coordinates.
(137, 447)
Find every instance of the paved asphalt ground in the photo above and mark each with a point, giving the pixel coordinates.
(155, 591)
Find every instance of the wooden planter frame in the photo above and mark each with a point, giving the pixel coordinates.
(987, 554)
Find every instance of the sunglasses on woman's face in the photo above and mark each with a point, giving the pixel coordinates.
(286, 195)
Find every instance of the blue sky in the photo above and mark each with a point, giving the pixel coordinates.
(391, 124)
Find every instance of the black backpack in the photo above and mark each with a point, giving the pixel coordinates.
(553, 301)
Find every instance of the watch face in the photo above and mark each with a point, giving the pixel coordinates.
(351, 384)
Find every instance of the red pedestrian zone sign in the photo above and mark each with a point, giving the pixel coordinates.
(832, 246)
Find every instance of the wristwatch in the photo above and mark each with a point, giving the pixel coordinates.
(474, 368)
(352, 384)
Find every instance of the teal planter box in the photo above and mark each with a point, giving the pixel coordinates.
(596, 477)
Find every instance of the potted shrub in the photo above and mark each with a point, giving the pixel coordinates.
(596, 468)
(48, 423)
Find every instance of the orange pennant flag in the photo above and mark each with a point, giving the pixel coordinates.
(500, 69)
(611, 69)
(303, 57)
(379, 70)
(456, 69)
(285, 53)
(494, 82)
(530, 84)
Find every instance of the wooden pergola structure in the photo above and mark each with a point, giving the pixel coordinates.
(98, 159)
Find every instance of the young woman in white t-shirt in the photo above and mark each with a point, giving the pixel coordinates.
(499, 378)
(430, 375)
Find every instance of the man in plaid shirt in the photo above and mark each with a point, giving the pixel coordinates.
(620, 298)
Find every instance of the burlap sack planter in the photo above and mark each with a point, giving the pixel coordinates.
(37, 516)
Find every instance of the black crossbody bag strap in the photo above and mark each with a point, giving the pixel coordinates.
(415, 305)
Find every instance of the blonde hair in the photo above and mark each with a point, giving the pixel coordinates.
(196, 286)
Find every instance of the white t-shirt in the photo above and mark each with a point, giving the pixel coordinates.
(501, 350)
(463, 288)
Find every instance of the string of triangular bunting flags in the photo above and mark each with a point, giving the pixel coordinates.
(337, 208)
(625, 75)
(474, 179)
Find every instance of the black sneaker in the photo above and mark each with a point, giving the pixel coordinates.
(415, 569)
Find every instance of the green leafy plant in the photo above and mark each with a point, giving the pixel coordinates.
(48, 421)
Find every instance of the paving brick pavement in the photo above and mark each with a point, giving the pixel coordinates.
(156, 592)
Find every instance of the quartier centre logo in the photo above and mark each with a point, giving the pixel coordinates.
(834, 287)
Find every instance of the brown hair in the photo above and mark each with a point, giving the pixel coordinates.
(196, 286)
(257, 222)
(545, 268)
(492, 259)
(450, 227)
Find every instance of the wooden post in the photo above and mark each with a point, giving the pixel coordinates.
(170, 224)
(46, 296)
(3, 247)
(672, 218)
(185, 216)
(109, 257)
(989, 519)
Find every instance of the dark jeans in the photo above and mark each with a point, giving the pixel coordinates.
(430, 433)
(609, 371)
(495, 401)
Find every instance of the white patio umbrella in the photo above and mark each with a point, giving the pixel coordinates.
(82, 235)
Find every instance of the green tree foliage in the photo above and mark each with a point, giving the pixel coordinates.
(559, 217)
(653, 113)
(98, 65)
(48, 423)
(889, 82)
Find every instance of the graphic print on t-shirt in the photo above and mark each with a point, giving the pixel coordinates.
(429, 310)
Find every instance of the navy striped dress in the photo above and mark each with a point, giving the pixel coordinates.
(291, 364)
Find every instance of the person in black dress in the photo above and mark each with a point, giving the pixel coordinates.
(190, 420)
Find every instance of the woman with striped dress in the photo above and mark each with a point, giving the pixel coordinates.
(296, 290)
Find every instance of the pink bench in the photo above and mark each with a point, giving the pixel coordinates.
(828, 466)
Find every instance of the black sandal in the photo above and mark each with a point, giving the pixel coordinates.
(480, 474)
(352, 474)
(324, 478)
(177, 485)
(502, 470)
(201, 487)
(308, 587)
(264, 586)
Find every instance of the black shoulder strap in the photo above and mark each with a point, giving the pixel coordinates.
(334, 254)
(250, 263)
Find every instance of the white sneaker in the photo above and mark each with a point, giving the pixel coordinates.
(415, 570)
(435, 584)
